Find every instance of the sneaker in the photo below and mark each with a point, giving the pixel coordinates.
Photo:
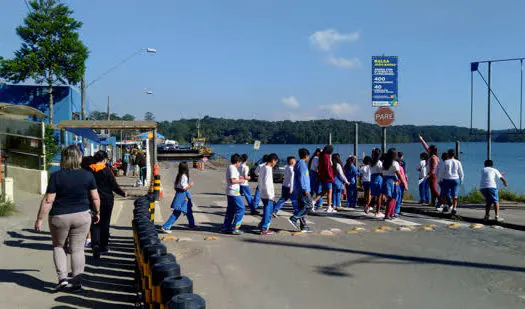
(499, 219)
(445, 209)
(165, 231)
(439, 209)
(275, 215)
(306, 229)
(237, 232)
(267, 232)
(88, 243)
(487, 218)
(453, 212)
(293, 222)
(331, 210)
(367, 210)
(74, 288)
(62, 284)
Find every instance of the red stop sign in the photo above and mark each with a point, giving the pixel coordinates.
(384, 116)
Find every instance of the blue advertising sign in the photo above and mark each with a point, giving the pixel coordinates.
(384, 81)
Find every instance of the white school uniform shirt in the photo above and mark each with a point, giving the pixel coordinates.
(232, 189)
(315, 164)
(377, 169)
(422, 169)
(392, 170)
(288, 177)
(183, 183)
(365, 171)
(489, 177)
(258, 168)
(451, 169)
(244, 170)
(266, 182)
(341, 173)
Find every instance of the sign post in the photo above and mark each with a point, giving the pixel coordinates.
(256, 147)
(384, 92)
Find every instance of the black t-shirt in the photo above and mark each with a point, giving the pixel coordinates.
(72, 191)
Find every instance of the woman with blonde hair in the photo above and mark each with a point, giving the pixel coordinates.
(70, 192)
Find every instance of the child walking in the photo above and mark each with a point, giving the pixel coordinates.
(267, 193)
(424, 188)
(401, 192)
(287, 188)
(391, 175)
(235, 208)
(182, 203)
(489, 188)
(364, 174)
(452, 175)
(257, 195)
(351, 175)
(326, 176)
(376, 179)
(315, 189)
(302, 192)
(340, 181)
(244, 171)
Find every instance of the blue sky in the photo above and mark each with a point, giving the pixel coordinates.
(294, 59)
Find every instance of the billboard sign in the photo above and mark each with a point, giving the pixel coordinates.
(384, 81)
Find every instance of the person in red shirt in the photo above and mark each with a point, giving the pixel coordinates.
(326, 176)
(432, 164)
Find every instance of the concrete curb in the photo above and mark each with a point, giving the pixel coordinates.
(427, 211)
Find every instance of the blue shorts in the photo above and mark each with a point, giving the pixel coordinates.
(491, 195)
(390, 186)
(451, 187)
(366, 185)
(376, 184)
(326, 185)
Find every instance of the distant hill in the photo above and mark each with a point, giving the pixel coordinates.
(240, 131)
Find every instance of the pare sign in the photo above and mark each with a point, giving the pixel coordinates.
(384, 116)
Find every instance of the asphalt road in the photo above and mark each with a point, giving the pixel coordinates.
(415, 262)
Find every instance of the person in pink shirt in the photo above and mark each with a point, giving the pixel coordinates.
(399, 199)
(433, 162)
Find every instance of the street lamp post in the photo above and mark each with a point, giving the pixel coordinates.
(83, 85)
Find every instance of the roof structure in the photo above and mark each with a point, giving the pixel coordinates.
(20, 110)
(108, 124)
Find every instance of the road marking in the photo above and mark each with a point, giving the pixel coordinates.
(289, 214)
(446, 222)
(346, 221)
(220, 203)
(117, 209)
(158, 213)
(402, 222)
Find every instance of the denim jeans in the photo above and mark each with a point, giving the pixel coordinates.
(424, 191)
(256, 199)
(175, 215)
(351, 194)
(304, 203)
(267, 214)
(285, 195)
(336, 196)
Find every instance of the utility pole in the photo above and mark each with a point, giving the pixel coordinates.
(489, 133)
(83, 98)
(383, 143)
(109, 117)
(330, 138)
(356, 140)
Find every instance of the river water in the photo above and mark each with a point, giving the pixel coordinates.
(509, 158)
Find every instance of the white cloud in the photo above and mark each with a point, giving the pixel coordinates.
(290, 102)
(328, 38)
(343, 62)
(339, 109)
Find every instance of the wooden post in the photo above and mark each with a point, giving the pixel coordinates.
(458, 149)
(356, 139)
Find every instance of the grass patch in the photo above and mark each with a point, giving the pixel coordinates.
(6, 208)
(476, 197)
(407, 196)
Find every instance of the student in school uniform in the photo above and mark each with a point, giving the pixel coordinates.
(182, 203)
(287, 187)
(244, 171)
(391, 176)
(301, 191)
(313, 164)
(433, 161)
(364, 175)
(489, 189)
(444, 198)
(257, 196)
(452, 175)
(424, 189)
(340, 181)
(267, 193)
(326, 176)
(401, 191)
(376, 179)
(351, 175)
(235, 207)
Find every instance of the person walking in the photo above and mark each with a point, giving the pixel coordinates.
(106, 185)
(424, 189)
(489, 189)
(267, 193)
(315, 189)
(432, 164)
(350, 171)
(126, 161)
(182, 202)
(326, 176)
(257, 195)
(376, 179)
(70, 193)
(244, 171)
(401, 191)
(287, 187)
(452, 175)
(340, 181)
(235, 208)
(391, 176)
(364, 175)
(141, 162)
(302, 192)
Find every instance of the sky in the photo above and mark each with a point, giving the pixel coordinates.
(295, 59)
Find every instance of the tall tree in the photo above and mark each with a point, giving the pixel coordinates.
(128, 117)
(51, 51)
(149, 116)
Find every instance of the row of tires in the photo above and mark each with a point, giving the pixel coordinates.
(158, 275)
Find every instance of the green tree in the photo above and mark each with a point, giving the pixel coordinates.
(128, 117)
(51, 51)
(149, 116)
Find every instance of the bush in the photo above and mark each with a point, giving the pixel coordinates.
(506, 195)
(6, 208)
(475, 197)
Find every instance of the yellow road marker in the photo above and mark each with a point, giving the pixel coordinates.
(166, 238)
(326, 233)
(454, 226)
(335, 230)
(405, 229)
(385, 228)
(428, 228)
(283, 232)
(211, 238)
(476, 226)
(297, 233)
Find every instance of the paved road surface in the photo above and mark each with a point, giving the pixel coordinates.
(413, 262)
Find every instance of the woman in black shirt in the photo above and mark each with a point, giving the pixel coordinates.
(70, 192)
